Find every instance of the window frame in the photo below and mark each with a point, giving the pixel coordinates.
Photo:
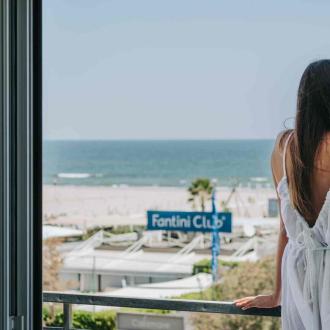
(21, 164)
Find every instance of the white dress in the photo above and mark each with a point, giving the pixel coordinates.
(305, 265)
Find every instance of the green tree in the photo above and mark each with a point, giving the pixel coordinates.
(246, 279)
(200, 192)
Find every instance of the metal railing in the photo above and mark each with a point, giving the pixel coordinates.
(199, 306)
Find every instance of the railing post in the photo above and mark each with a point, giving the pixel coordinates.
(67, 313)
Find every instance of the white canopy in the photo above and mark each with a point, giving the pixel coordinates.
(60, 232)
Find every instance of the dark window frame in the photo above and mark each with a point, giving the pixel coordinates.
(21, 164)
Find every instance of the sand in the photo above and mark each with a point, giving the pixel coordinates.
(89, 206)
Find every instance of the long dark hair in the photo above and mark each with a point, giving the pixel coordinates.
(312, 122)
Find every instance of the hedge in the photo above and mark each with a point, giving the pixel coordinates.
(105, 320)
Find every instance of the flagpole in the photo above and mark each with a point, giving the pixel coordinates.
(215, 239)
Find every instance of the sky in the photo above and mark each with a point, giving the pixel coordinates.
(177, 69)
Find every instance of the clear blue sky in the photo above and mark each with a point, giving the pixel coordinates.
(177, 69)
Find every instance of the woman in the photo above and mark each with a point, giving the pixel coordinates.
(301, 170)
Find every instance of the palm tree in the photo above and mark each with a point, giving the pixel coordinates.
(200, 191)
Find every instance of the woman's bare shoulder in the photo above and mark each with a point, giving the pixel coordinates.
(277, 154)
(322, 159)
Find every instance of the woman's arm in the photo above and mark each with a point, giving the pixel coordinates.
(274, 299)
(282, 241)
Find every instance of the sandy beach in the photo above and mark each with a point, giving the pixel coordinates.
(89, 206)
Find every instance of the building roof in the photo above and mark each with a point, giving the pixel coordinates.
(60, 232)
(168, 289)
(136, 263)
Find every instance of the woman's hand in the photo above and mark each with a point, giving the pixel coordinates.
(260, 301)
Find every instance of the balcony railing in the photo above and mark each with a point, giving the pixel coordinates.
(199, 306)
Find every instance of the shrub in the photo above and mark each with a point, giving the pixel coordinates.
(247, 279)
(105, 320)
(204, 266)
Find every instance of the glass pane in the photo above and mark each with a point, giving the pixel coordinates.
(156, 106)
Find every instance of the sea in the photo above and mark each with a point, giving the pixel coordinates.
(156, 162)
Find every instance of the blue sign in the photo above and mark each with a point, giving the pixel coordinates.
(189, 221)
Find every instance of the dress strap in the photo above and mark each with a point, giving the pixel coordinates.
(284, 152)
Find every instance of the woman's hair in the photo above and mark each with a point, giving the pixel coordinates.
(312, 122)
